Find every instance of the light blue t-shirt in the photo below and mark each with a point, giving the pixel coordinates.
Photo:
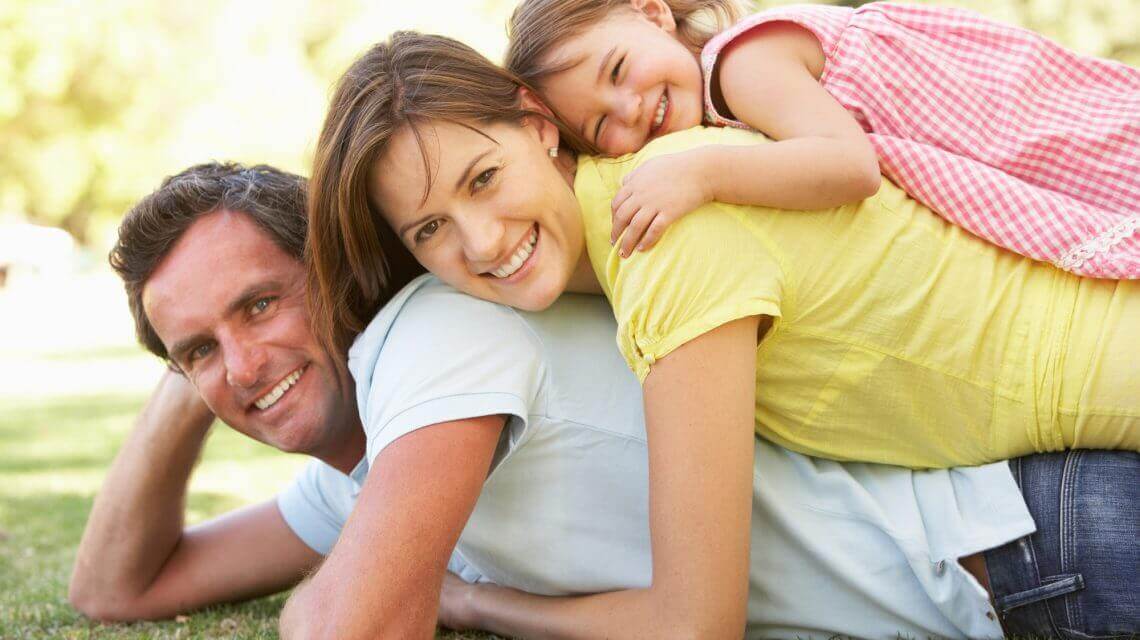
(855, 549)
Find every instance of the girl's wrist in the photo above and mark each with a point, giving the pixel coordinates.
(709, 170)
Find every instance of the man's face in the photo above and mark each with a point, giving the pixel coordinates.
(229, 305)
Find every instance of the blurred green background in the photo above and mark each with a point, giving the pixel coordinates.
(98, 102)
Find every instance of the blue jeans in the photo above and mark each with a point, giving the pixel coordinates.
(1078, 576)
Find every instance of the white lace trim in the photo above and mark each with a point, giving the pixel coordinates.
(1082, 253)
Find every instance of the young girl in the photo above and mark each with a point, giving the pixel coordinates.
(1001, 131)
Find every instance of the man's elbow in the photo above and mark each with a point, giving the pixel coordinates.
(105, 604)
(710, 629)
(99, 607)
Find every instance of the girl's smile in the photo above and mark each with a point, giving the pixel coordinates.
(628, 80)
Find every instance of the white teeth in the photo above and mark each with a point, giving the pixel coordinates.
(508, 268)
(271, 398)
(661, 107)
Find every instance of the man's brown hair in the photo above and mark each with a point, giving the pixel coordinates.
(273, 199)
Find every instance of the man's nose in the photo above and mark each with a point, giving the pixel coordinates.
(245, 362)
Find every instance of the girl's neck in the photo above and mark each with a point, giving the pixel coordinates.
(567, 165)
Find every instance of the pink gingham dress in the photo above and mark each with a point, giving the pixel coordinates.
(999, 130)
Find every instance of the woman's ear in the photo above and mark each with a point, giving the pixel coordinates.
(541, 120)
(657, 12)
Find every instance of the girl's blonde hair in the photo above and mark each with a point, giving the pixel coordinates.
(537, 27)
(356, 263)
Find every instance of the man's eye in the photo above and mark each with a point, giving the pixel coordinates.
(198, 352)
(260, 305)
(427, 231)
(483, 179)
(617, 70)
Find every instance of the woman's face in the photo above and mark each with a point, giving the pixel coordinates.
(499, 222)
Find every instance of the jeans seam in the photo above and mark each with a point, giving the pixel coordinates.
(1068, 549)
(1029, 543)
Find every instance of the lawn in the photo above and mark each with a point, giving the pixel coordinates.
(68, 395)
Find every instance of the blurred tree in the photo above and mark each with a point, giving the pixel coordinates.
(98, 100)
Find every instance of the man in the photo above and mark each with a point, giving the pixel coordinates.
(211, 264)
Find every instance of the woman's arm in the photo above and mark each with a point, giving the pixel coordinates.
(382, 580)
(769, 81)
(700, 408)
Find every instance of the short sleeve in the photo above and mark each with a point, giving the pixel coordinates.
(316, 505)
(447, 356)
(711, 267)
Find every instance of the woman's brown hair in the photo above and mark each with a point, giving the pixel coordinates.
(537, 27)
(356, 262)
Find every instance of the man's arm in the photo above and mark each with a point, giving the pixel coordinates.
(136, 561)
(383, 578)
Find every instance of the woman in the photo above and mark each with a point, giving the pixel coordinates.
(467, 183)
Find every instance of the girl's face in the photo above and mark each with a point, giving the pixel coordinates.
(633, 80)
(500, 221)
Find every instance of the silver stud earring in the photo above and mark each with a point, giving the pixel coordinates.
(552, 152)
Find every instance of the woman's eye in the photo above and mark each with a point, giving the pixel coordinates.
(427, 231)
(617, 70)
(483, 179)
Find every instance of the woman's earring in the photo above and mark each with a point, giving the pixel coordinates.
(552, 152)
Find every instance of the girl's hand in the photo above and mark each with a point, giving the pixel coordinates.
(454, 603)
(657, 194)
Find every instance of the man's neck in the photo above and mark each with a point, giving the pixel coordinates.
(349, 448)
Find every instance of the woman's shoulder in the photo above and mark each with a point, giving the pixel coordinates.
(594, 167)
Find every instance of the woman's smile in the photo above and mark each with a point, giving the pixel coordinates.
(504, 223)
(519, 261)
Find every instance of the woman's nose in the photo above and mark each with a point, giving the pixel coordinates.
(483, 243)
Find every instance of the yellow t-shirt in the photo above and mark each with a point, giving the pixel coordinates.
(897, 337)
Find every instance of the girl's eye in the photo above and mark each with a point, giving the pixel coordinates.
(617, 70)
(427, 231)
(483, 179)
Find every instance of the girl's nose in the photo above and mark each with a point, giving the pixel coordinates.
(629, 109)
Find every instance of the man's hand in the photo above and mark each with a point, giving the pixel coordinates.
(657, 194)
(136, 562)
(455, 603)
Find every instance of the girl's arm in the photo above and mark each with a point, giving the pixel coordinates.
(822, 157)
(382, 580)
(700, 408)
(769, 80)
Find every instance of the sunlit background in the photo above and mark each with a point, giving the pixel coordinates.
(99, 100)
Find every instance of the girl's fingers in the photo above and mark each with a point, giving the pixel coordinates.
(622, 216)
(656, 229)
(620, 197)
(636, 230)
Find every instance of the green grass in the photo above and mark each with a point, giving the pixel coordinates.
(55, 446)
